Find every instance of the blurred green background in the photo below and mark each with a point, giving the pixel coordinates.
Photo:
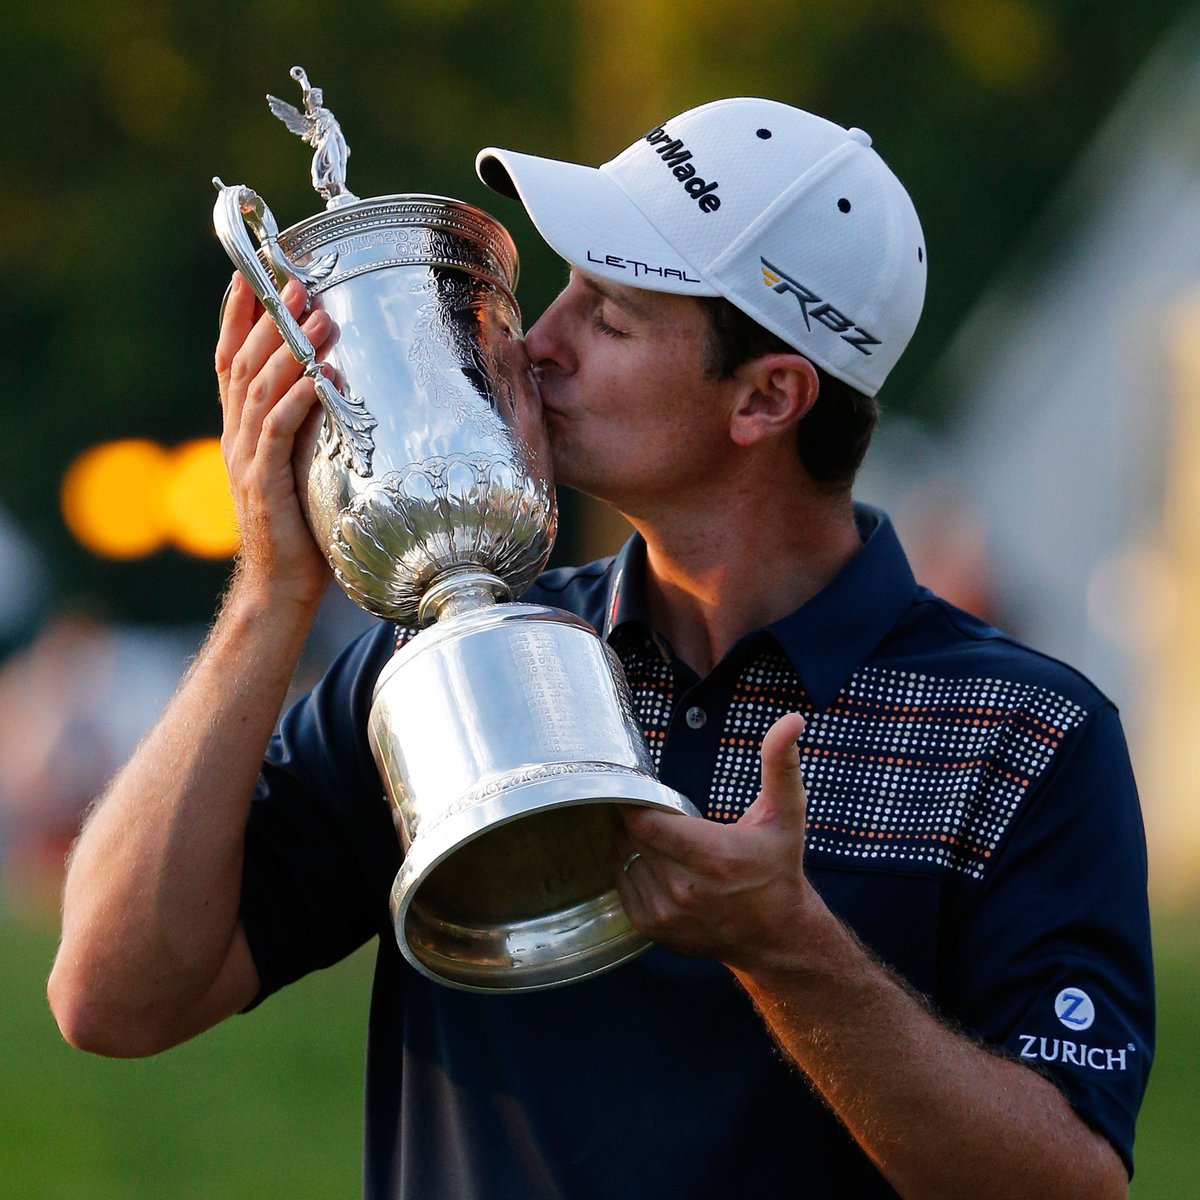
(117, 117)
(270, 1103)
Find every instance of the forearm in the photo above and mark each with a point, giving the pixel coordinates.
(150, 949)
(939, 1115)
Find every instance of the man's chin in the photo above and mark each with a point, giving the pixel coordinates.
(563, 475)
(560, 457)
(571, 464)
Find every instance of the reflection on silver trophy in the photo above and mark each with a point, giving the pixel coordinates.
(503, 732)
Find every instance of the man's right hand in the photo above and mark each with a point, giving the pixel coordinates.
(267, 403)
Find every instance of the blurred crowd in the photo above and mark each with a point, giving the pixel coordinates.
(77, 693)
(73, 703)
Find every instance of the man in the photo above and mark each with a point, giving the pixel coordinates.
(934, 982)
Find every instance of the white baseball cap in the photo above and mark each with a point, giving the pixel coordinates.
(795, 220)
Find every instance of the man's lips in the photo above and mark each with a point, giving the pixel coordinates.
(542, 383)
(548, 410)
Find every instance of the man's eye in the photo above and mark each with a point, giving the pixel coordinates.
(607, 329)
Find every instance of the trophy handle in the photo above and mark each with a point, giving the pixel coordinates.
(348, 423)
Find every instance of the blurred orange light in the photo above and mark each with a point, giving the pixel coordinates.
(129, 499)
(202, 519)
(110, 498)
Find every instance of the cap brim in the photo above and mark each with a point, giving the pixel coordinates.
(590, 222)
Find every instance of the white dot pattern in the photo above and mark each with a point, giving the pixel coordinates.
(764, 692)
(652, 684)
(902, 767)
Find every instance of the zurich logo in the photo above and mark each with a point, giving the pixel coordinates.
(1074, 1008)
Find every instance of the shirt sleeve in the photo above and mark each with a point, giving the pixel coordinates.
(1051, 958)
(320, 849)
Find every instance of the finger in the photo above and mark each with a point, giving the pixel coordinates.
(275, 378)
(632, 903)
(637, 887)
(258, 346)
(782, 797)
(264, 483)
(629, 857)
(281, 424)
(622, 845)
(691, 842)
(281, 369)
(236, 322)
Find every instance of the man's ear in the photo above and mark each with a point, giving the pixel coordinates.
(775, 394)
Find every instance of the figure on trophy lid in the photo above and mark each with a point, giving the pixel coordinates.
(317, 126)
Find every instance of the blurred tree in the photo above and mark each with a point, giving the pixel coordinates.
(119, 115)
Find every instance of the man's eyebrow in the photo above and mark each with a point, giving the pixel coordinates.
(625, 298)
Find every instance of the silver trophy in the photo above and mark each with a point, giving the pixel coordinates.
(503, 732)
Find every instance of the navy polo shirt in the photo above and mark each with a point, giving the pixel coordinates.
(972, 817)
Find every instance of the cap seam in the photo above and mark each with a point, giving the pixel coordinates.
(798, 187)
(654, 225)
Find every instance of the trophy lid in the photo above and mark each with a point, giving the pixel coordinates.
(405, 230)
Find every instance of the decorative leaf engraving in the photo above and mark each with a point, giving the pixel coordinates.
(474, 510)
(348, 425)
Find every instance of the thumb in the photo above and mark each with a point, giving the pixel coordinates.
(782, 796)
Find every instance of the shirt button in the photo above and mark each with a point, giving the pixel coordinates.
(696, 716)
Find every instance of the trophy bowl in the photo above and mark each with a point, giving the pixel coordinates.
(503, 732)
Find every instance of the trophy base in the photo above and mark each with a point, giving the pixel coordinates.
(504, 737)
(462, 904)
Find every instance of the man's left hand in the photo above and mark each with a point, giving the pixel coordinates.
(735, 893)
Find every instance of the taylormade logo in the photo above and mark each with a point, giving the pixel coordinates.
(673, 152)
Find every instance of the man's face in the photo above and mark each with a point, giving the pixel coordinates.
(632, 417)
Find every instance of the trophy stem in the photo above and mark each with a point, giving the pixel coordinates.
(459, 591)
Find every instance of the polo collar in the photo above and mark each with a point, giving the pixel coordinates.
(627, 587)
(831, 636)
(828, 638)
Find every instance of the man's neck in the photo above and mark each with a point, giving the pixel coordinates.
(714, 576)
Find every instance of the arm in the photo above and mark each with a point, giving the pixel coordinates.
(945, 1117)
(152, 952)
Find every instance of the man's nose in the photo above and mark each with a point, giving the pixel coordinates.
(546, 343)
(538, 340)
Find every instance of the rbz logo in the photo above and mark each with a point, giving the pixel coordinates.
(824, 312)
(1074, 1008)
